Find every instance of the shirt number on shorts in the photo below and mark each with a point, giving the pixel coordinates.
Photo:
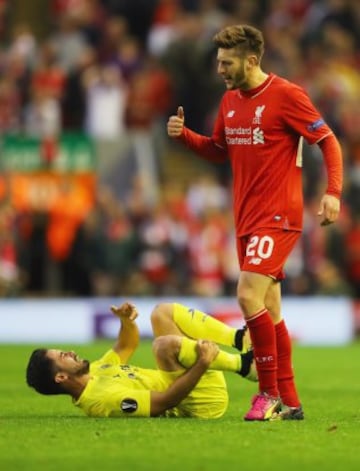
(260, 246)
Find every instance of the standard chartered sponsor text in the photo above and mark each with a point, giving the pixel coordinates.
(238, 140)
(239, 131)
(235, 132)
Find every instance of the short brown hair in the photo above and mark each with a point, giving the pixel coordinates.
(244, 37)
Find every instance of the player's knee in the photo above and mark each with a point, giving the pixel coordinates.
(245, 296)
(166, 347)
(160, 313)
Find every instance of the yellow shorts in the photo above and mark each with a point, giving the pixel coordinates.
(208, 400)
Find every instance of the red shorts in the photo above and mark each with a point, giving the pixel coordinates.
(265, 251)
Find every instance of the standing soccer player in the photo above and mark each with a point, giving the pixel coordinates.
(260, 127)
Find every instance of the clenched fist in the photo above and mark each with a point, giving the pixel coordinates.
(207, 351)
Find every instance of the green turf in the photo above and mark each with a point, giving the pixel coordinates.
(48, 433)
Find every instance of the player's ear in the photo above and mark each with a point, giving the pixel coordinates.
(253, 60)
(60, 377)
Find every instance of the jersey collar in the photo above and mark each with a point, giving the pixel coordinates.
(255, 91)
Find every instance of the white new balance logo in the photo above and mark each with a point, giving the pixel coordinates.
(230, 114)
(255, 261)
(258, 136)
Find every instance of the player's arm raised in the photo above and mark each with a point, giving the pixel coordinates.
(184, 384)
(128, 336)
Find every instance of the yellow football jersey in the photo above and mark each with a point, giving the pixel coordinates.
(118, 390)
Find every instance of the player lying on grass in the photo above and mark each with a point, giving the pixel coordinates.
(189, 381)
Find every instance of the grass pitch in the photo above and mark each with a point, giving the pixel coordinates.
(48, 433)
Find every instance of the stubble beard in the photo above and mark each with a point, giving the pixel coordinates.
(240, 80)
(84, 368)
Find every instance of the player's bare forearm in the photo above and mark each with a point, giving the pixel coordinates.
(128, 336)
(184, 384)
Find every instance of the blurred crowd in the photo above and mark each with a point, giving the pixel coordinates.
(160, 225)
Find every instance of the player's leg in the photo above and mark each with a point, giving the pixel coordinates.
(174, 352)
(254, 253)
(252, 288)
(291, 407)
(262, 256)
(177, 319)
(209, 398)
(166, 350)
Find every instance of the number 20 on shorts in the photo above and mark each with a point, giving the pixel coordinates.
(260, 247)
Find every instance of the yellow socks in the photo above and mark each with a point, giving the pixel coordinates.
(198, 325)
(224, 361)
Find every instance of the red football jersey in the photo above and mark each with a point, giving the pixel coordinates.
(261, 131)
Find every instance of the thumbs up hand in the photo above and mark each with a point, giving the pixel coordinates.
(175, 123)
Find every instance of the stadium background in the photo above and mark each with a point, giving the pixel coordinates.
(97, 203)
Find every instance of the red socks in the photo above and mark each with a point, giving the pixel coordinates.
(262, 333)
(272, 351)
(285, 374)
